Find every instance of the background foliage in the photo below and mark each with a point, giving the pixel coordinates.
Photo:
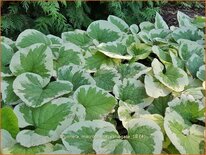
(59, 16)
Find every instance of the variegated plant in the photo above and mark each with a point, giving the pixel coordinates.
(112, 89)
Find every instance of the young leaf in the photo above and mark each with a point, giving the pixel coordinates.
(174, 78)
(139, 51)
(159, 22)
(121, 24)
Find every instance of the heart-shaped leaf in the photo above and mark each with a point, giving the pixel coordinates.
(36, 59)
(174, 78)
(78, 138)
(133, 92)
(47, 121)
(97, 102)
(30, 88)
(103, 31)
(187, 139)
(144, 137)
(121, 24)
(190, 109)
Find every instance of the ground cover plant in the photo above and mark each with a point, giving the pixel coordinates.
(112, 89)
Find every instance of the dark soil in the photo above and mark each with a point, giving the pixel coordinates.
(169, 11)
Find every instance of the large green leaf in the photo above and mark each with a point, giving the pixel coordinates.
(121, 24)
(133, 70)
(9, 121)
(114, 50)
(97, 102)
(77, 37)
(29, 37)
(106, 78)
(187, 139)
(36, 59)
(139, 50)
(103, 31)
(174, 78)
(76, 75)
(144, 137)
(78, 138)
(47, 122)
(133, 92)
(30, 88)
